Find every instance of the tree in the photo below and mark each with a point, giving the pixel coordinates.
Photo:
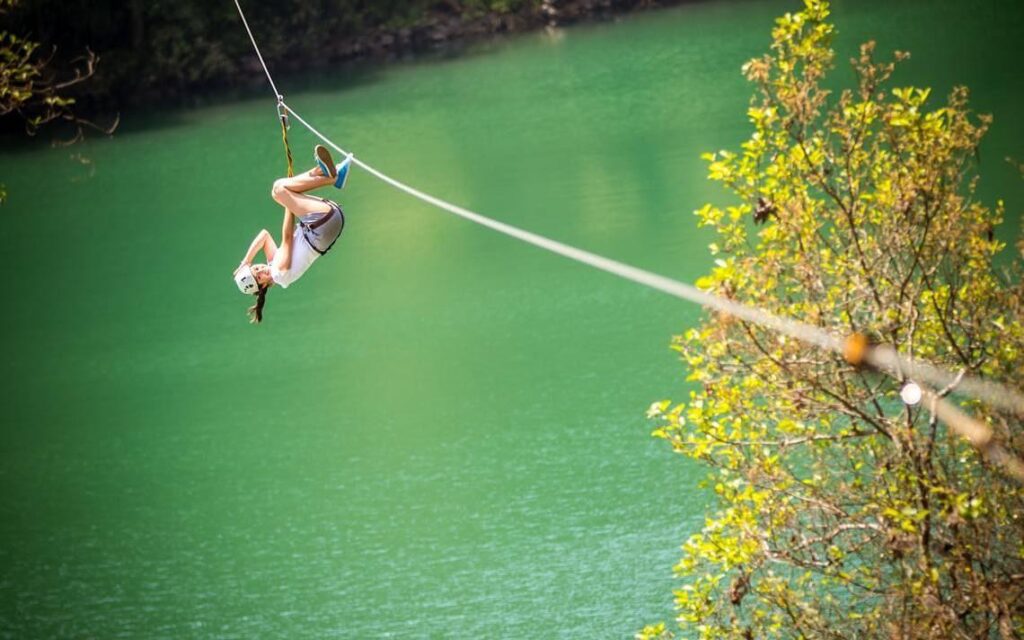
(843, 512)
(30, 90)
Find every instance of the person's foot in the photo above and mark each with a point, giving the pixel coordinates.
(342, 171)
(325, 161)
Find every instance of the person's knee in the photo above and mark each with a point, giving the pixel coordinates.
(278, 191)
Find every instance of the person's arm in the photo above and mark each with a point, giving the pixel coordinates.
(285, 262)
(263, 241)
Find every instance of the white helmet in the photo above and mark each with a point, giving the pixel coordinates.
(246, 281)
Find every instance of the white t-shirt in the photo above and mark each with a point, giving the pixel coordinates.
(303, 256)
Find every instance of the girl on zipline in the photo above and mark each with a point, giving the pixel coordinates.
(310, 228)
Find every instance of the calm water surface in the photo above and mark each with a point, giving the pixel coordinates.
(439, 432)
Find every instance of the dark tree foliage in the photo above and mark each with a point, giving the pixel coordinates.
(33, 93)
(153, 49)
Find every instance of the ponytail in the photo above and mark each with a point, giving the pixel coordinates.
(256, 310)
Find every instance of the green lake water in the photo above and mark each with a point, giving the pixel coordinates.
(439, 432)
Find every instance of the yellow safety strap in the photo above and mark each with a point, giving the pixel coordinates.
(287, 147)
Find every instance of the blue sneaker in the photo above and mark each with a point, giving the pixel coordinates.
(324, 161)
(342, 170)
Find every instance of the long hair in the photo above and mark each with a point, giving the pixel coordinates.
(256, 310)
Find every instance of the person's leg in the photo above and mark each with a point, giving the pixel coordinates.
(289, 192)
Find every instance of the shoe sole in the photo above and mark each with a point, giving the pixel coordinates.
(324, 156)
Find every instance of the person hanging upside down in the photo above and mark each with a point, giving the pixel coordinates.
(310, 228)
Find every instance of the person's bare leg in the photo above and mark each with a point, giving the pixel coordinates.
(289, 192)
(307, 181)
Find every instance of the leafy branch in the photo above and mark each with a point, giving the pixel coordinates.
(32, 91)
(843, 512)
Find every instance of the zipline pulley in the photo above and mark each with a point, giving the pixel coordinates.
(282, 112)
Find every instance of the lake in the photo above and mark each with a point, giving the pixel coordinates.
(439, 432)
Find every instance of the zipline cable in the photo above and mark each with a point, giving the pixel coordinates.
(882, 357)
(806, 333)
(259, 55)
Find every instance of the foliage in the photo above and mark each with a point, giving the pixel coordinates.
(844, 513)
(160, 49)
(654, 632)
(31, 92)
(30, 89)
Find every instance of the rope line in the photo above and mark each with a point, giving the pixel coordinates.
(881, 357)
(901, 367)
(287, 147)
(672, 287)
